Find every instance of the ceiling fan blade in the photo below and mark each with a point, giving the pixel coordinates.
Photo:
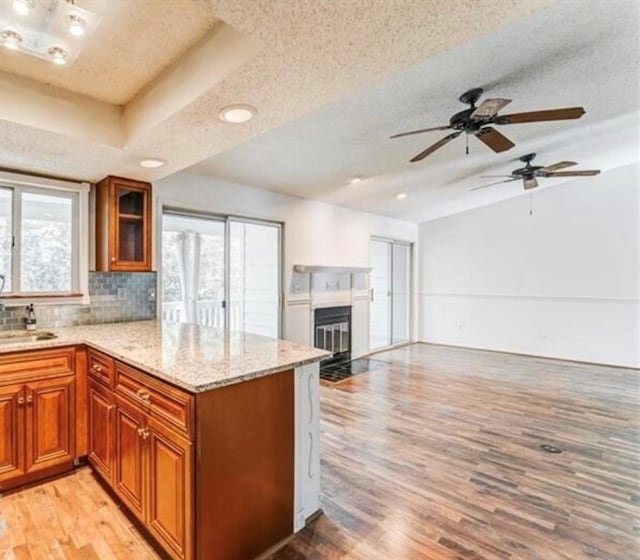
(556, 166)
(583, 173)
(495, 140)
(531, 183)
(489, 108)
(444, 127)
(494, 176)
(435, 146)
(494, 184)
(540, 116)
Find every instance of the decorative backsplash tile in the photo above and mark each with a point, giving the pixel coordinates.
(115, 297)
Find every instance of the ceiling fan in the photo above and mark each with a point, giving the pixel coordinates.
(476, 121)
(529, 173)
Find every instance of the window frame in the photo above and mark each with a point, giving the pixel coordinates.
(78, 193)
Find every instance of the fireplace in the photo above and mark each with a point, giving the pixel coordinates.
(332, 332)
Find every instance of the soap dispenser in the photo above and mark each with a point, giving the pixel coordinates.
(30, 319)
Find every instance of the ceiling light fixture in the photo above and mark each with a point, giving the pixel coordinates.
(22, 7)
(401, 195)
(237, 114)
(58, 55)
(355, 180)
(11, 39)
(152, 162)
(77, 25)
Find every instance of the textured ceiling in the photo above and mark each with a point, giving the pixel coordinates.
(134, 42)
(577, 52)
(307, 54)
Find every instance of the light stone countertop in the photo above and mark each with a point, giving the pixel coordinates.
(189, 356)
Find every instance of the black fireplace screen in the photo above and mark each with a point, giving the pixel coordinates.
(333, 331)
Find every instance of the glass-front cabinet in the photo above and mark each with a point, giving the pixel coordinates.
(123, 225)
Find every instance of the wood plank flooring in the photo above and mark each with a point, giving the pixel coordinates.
(434, 455)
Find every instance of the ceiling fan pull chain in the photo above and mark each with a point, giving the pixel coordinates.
(466, 136)
(530, 204)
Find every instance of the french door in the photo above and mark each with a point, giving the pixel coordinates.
(221, 271)
(390, 291)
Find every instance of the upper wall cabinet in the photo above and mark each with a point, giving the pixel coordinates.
(123, 225)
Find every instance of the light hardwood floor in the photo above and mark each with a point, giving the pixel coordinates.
(432, 455)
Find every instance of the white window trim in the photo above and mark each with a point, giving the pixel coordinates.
(80, 258)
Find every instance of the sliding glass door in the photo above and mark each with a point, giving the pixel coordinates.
(390, 285)
(221, 272)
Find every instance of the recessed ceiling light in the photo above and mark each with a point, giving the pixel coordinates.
(22, 7)
(152, 162)
(237, 114)
(355, 180)
(401, 195)
(11, 39)
(58, 55)
(77, 25)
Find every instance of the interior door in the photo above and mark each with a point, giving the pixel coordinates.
(12, 434)
(50, 412)
(129, 457)
(380, 287)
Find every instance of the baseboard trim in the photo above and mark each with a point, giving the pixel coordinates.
(538, 356)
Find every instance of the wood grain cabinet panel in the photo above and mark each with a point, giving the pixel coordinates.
(170, 491)
(101, 432)
(12, 463)
(50, 422)
(129, 460)
(123, 225)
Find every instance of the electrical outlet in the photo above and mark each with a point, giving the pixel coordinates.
(151, 294)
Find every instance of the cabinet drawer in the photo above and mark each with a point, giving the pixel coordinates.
(161, 400)
(36, 364)
(100, 368)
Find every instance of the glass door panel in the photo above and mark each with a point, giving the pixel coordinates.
(380, 286)
(193, 270)
(130, 215)
(254, 278)
(400, 293)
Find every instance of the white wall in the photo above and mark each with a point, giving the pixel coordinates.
(315, 233)
(563, 282)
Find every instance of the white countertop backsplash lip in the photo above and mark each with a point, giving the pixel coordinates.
(191, 357)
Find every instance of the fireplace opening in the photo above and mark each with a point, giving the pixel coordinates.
(332, 332)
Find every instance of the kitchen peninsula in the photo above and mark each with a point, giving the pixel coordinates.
(210, 439)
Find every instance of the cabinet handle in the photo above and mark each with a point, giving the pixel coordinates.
(143, 433)
(20, 401)
(113, 259)
(142, 394)
(97, 368)
(29, 399)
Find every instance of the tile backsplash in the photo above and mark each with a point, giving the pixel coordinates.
(114, 297)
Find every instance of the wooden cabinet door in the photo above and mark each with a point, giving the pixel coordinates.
(169, 515)
(128, 475)
(101, 433)
(12, 432)
(131, 225)
(50, 413)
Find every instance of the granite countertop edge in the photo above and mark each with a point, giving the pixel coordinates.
(313, 355)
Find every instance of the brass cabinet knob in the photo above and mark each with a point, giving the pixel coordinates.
(29, 399)
(21, 400)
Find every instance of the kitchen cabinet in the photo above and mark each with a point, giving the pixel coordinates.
(101, 430)
(50, 422)
(123, 225)
(12, 428)
(37, 415)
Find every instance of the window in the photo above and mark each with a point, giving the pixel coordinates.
(40, 242)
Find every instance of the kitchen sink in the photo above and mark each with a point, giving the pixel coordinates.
(14, 337)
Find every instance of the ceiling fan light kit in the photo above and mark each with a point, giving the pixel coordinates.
(52, 30)
(477, 120)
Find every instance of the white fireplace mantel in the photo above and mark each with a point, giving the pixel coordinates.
(311, 269)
